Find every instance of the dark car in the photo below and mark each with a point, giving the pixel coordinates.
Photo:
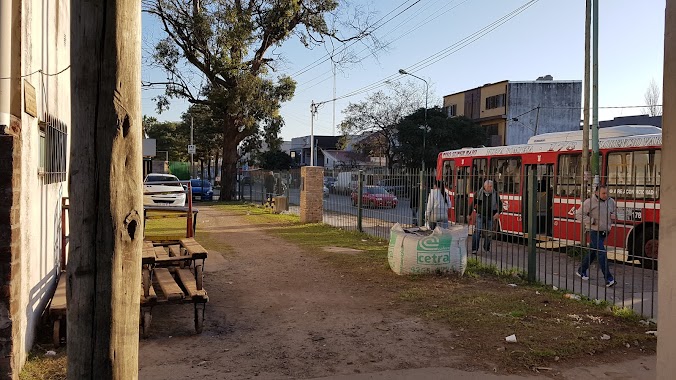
(201, 190)
(376, 196)
(330, 183)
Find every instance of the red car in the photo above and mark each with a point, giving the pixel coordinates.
(375, 196)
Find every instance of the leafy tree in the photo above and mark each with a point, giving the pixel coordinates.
(444, 134)
(377, 117)
(220, 54)
(275, 160)
(169, 136)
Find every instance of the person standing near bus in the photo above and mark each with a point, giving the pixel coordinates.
(598, 214)
(438, 204)
(486, 211)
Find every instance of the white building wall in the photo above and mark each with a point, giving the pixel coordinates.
(46, 47)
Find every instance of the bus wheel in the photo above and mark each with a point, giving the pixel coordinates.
(648, 240)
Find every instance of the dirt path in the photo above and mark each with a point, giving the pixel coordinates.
(277, 312)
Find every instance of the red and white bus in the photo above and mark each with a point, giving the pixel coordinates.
(630, 166)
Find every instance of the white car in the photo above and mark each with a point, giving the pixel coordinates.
(326, 192)
(167, 191)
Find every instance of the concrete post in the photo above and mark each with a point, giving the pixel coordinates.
(666, 330)
(312, 194)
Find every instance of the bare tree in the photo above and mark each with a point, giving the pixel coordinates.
(222, 54)
(376, 117)
(653, 99)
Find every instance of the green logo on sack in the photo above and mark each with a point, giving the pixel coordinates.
(434, 250)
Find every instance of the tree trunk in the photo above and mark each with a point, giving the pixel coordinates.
(228, 168)
(209, 167)
(106, 227)
(216, 164)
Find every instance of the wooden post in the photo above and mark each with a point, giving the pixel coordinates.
(666, 329)
(104, 268)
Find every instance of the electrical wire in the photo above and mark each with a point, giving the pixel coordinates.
(329, 56)
(407, 33)
(38, 71)
(444, 53)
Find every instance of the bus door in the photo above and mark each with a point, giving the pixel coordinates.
(462, 186)
(544, 184)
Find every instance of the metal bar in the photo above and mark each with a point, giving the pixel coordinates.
(532, 228)
(360, 197)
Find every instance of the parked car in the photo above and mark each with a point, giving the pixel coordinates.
(330, 184)
(375, 196)
(326, 192)
(394, 186)
(163, 190)
(201, 190)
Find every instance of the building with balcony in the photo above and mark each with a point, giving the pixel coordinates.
(514, 111)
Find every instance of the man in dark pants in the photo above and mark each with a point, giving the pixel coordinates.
(598, 214)
(486, 210)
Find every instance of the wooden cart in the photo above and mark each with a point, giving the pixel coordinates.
(173, 273)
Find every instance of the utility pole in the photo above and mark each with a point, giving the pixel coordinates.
(585, 127)
(192, 154)
(334, 97)
(313, 110)
(595, 93)
(106, 225)
(666, 330)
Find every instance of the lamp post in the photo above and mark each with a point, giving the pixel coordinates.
(424, 127)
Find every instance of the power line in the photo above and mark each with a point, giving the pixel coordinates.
(329, 56)
(38, 71)
(444, 53)
(402, 35)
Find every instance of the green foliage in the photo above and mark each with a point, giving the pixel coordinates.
(444, 134)
(169, 137)
(218, 54)
(275, 160)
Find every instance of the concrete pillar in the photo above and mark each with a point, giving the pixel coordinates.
(666, 330)
(312, 194)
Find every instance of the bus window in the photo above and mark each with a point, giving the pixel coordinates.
(634, 175)
(569, 182)
(479, 170)
(506, 174)
(449, 174)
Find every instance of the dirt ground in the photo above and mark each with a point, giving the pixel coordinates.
(275, 311)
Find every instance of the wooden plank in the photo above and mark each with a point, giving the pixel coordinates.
(151, 299)
(147, 244)
(148, 256)
(160, 253)
(58, 305)
(193, 248)
(169, 287)
(188, 280)
(175, 250)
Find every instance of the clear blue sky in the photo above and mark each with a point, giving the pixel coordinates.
(547, 38)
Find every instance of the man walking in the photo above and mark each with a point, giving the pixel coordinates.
(597, 214)
(414, 199)
(487, 207)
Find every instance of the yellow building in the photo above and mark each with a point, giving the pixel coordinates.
(514, 111)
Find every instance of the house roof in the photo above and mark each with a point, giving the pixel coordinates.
(345, 156)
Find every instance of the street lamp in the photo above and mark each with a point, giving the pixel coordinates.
(425, 128)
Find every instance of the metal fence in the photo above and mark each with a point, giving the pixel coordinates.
(537, 234)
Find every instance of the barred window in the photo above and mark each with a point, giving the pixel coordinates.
(495, 101)
(53, 150)
(506, 174)
(634, 175)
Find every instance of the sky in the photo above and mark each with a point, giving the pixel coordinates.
(546, 38)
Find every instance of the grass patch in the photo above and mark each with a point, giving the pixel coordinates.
(481, 307)
(625, 313)
(40, 367)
